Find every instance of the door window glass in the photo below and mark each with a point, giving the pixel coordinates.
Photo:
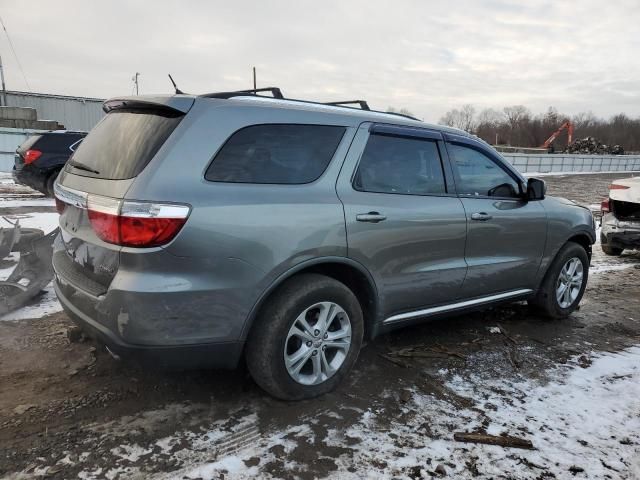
(402, 165)
(478, 175)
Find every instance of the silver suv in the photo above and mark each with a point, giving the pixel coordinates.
(196, 230)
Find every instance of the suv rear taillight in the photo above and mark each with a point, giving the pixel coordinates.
(128, 223)
(31, 156)
(605, 206)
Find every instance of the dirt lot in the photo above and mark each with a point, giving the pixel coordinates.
(67, 409)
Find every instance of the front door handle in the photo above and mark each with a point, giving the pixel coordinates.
(481, 216)
(371, 217)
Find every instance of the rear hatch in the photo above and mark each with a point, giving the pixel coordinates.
(96, 222)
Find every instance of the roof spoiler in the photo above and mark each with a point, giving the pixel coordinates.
(170, 103)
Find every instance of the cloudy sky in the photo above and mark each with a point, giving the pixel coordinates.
(426, 56)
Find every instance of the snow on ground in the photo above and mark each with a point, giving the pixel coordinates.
(46, 221)
(579, 410)
(45, 304)
(577, 418)
(37, 202)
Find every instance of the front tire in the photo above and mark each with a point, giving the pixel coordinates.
(306, 339)
(565, 282)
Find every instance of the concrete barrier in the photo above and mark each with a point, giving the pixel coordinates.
(567, 163)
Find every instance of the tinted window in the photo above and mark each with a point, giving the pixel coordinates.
(400, 165)
(122, 144)
(285, 154)
(58, 142)
(478, 175)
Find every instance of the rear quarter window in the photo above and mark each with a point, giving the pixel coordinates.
(276, 154)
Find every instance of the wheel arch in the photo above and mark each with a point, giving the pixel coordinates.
(351, 273)
(583, 239)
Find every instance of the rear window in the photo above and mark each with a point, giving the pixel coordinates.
(28, 143)
(277, 154)
(58, 142)
(122, 144)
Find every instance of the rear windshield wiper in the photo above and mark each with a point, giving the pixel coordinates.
(79, 166)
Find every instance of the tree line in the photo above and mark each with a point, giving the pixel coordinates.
(517, 126)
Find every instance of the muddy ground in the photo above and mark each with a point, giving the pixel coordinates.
(68, 409)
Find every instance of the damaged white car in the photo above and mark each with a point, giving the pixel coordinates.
(621, 217)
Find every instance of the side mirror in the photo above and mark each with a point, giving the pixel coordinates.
(536, 189)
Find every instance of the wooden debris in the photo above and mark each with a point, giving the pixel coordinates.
(506, 334)
(502, 441)
(397, 362)
(513, 359)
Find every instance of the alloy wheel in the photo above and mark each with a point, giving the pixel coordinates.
(569, 282)
(318, 343)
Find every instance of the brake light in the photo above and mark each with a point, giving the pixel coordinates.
(135, 224)
(127, 223)
(31, 156)
(615, 186)
(605, 206)
(135, 231)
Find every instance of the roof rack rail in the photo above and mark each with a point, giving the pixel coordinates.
(277, 94)
(275, 91)
(363, 104)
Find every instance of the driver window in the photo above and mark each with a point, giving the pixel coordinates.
(478, 175)
(400, 165)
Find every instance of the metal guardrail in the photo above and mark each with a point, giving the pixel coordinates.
(566, 163)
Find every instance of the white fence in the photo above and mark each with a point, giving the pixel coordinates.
(552, 163)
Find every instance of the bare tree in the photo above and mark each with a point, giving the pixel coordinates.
(463, 119)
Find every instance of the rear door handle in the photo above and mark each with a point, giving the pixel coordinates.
(481, 216)
(371, 217)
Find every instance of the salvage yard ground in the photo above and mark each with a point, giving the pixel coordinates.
(571, 387)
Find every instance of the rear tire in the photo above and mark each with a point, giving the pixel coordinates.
(51, 179)
(290, 326)
(612, 251)
(559, 294)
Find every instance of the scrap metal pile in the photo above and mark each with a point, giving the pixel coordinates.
(591, 145)
(33, 271)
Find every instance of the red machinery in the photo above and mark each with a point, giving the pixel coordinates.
(566, 125)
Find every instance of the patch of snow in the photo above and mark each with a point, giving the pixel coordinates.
(584, 417)
(38, 202)
(494, 330)
(46, 221)
(131, 453)
(595, 269)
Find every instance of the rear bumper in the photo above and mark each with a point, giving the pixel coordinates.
(31, 177)
(620, 234)
(224, 355)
